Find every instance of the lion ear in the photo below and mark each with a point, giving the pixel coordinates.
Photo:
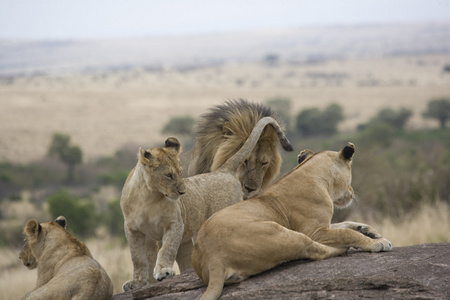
(348, 151)
(32, 228)
(304, 154)
(145, 154)
(61, 221)
(173, 144)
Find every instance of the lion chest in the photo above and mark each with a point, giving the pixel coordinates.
(153, 218)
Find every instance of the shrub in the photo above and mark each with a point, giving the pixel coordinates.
(312, 121)
(80, 213)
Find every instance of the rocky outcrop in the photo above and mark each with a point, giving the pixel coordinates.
(415, 272)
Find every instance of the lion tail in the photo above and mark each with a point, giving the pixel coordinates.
(237, 159)
(215, 283)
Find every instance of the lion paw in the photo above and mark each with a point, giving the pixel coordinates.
(382, 245)
(163, 273)
(368, 231)
(132, 284)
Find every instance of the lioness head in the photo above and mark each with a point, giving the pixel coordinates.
(338, 164)
(26, 255)
(162, 169)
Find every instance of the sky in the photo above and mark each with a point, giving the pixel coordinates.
(92, 19)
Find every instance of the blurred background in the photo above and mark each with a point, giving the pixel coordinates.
(84, 84)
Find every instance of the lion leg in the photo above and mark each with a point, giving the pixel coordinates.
(365, 229)
(152, 247)
(184, 256)
(136, 242)
(346, 238)
(167, 254)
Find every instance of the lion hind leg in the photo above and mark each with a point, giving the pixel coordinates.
(287, 245)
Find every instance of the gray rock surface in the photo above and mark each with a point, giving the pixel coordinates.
(415, 272)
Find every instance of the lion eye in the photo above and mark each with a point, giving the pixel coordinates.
(169, 176)
(246, 162)
(265, 163)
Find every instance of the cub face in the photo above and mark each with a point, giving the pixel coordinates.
(162, 169)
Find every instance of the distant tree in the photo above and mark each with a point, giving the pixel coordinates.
(80, 214)
(68, 154)
(282, 107)
(389, 117)
(313, 121)
(438, 109)
(180, 125)
(271, 59)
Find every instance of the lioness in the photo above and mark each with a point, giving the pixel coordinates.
(289, 221)
(153, 214)
(222, 132)
(66, 269)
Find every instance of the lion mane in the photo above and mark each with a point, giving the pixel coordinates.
(221, 133)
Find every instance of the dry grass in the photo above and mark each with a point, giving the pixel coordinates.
(104, 111)
(429, 225)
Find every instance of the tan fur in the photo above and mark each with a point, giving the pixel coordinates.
(160, 228)
(26, 257)
(223, 131)
(289, 221)
(66, 268)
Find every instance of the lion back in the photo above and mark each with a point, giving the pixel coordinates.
(223, 131)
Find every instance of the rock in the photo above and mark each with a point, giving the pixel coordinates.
(415, 272)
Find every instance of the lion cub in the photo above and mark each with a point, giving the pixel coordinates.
(66, 268)
(159, 227)
(289, 221)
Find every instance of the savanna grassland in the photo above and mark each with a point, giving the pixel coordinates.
(401, 183)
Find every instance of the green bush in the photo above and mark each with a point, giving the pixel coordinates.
(313, 122)
(389, 117)
(80, 213)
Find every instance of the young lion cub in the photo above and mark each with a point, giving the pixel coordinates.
(289, 221)
(159, 227)
(66, 269)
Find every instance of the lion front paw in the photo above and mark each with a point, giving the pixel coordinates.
(368, 231)
(382, 244)
(163, 273)
(133, 284)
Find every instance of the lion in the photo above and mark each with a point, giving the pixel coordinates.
(222, 132)
(289, 221)
(26, 257)
(159, 227)
(66, 268)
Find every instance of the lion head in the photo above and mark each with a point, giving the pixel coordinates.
(338, 165)
(223, 131)
(161, 169)
(26, 256)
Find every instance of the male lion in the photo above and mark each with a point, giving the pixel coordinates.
(289, 221)
(156, 224)
(222, 132)
(66, 268)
